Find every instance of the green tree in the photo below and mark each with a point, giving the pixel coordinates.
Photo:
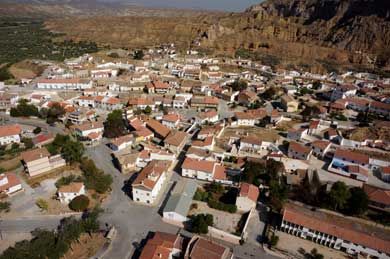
(270, 93)
(339, 195)
(5, 206)
(54, 112)
(273, 241)
(138, 54)
(42, 204)
(28, 143)
(278, 193)
(200, 223)
(37, 130)
(239, 85)
(357, 204)
(148, 110)
(72, 151)
(94, 178)
(79, 203)
(115, 125)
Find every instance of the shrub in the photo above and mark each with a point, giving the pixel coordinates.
(37, 130)
(5, 206)
(79, 203)
(201, 222)
(42, 204)
(65, 180)
(273, 240)
(231, 208)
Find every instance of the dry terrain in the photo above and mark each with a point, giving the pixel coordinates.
(86, 247)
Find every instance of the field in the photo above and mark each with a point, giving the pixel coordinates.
(22, 39)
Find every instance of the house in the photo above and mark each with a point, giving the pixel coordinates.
(330, 134)
(10, 134)
(208, 117)
(299, 151)
(162, 246)
(126, 160)
(206, 102)
(384, 173)
(251, 144)
(247, 97)
(121, 142)
(378, 198)
(7, 101)
(380, 108)
(175, 141)
(343, 91)
(203, 170)
(179, 202)
(39, 161)
(320, 147)
(67, 193)
(179, 102)
(86, 130)
(150, 181)
(64, 84)
(160, 131)
(244, 119)
(336, 231)
(289, 104)
(199, 248)
(158, 87)
(205, 144)
(43, 139)
(351, 164)
(171, 120)
(9, 183)
(247, 198)
(141, 103)
(85, 101)
(296, 134)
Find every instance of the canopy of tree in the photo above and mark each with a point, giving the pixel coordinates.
(115, 125)
(79, 203)
(200, 223)
(94, 178)
(72, 151)
(24, 109)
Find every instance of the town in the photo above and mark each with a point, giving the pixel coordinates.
(160, 153)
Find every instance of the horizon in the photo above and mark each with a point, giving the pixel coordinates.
(220, 5)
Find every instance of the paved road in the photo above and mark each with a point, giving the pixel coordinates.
(59, 128)
(132, 221)
(28, 224)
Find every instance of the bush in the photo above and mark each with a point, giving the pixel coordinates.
(65, 180)
(42, 204)
(79, 203)
(5, 206)
(231, 208)
(201, 195)
(94, 178)
(201, 222)
(28, 143)
(273, 240)
(37, 130)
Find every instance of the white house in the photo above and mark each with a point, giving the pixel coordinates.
(350, 164)
(9, 183)
(85, 129)
(122, 142)
(72, 83)
(10, 134)
(150, 181)
(203, 170)
(171, 120)
(68, 192)
(343, 91)
(244, 119)
(252, 144)
(247, 198)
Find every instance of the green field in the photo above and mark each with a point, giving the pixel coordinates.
(22, 39)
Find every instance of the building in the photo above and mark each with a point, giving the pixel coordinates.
(121, 142)
(296, 134)
(384, 173)
(203, 170)
(343, 91)
(378, 198)
(320, 147)
(252, 144)
(68, 192)
(247, 198)
(199, 248)
(175, 141)
(39, 161)
(160, 131)
(150, 181)
(9, 183)
(171, 120)
(336, 231)
(247, 97)
(208, 117)
(10, 134)
(86, 130)
(351, 164)
(299, 151)
(64, 84)
(206, 102)
(179, 202)
(244, 119)
(289, 104)
(162, 246)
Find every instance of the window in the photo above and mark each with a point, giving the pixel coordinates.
(147, 201)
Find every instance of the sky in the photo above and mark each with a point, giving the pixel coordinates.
(223, 5)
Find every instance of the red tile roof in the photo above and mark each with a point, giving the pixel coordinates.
(150, 174)
(160, 246)
(377, 195)
(250, 191)
(10, 130)
(13, 180)
(202, 249)
(158, 128)
(351, 156)
(347, 229)
(35, 154)
(199, 165)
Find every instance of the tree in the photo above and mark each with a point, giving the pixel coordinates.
(79, 203)
(37, 130)
(239, 85)
(148, 110)
(338, 195)
(273, 240)
(5, 206)
(313, 254)
(138, 54)
(55, 111)
(115, 125)
(200, 223)
(24, 109)
(278, 193)
(28, 143)
(317, 85)
(310, 111)
(94, 178)
(357, 204)
(270, 93)
(42, 204)
(72, 151)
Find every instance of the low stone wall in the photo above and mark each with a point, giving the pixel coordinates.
(222, 235)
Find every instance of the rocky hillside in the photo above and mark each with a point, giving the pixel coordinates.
(316, 34)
